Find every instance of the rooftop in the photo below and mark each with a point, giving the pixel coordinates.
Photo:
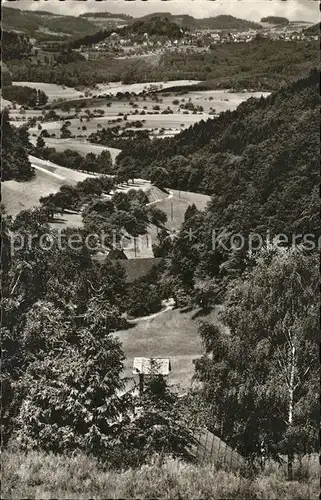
(147, 366)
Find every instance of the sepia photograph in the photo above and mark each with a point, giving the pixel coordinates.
(160, 243)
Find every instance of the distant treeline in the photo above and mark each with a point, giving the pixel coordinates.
(275, 20)
(100, 163)
(259, 65)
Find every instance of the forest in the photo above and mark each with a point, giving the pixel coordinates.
(283, 21)
(25, 96)
(259, 65)
(253, 161)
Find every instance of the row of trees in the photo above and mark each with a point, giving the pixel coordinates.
(91, 162)
(117, 137)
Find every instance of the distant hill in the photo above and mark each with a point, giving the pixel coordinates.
(106, 15)
(228, 23)
(41, 23)
(283, 21)
(107, 20)
(154, 25)
(223, 22)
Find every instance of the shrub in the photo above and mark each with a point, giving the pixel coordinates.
(24, 95)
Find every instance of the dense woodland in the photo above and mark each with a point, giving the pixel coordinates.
(259, 65)
(35, 24)
(313, 30)
(15, 46)
(25, 96)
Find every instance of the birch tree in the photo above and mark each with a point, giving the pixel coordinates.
(260, 376)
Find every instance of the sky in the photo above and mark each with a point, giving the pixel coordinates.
(254, 10)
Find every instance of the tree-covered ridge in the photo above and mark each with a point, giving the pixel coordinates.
(254, 161)
(221, 22)
(34, 23)
(14, 151)
(106, 15)
(283, 21)
(161, 26)
(260, 65)
(15, 46)
(226, 22)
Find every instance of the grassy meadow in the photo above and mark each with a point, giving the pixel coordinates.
(52, 90)
(172, 334)
(49, 177)
(82, 147)
(46, 476)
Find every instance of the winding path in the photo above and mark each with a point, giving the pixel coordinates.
(170, 305)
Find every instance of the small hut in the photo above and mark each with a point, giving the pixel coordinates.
(150, 366)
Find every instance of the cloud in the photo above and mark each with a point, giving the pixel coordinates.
(254, 10)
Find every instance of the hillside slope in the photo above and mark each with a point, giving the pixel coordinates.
(48, 178)
(37, 24)
(313, 30)
(222, 22)
(254, 161)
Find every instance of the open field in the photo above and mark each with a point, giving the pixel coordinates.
(176, 206)
(150, 112)
(81, 147)
(55, 91)
(52, 90)
(169, 123)
(136, 88)
(17, 196)
(172, 334)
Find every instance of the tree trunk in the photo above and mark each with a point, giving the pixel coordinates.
(291, 404)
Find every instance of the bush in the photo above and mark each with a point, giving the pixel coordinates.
(24, 95)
